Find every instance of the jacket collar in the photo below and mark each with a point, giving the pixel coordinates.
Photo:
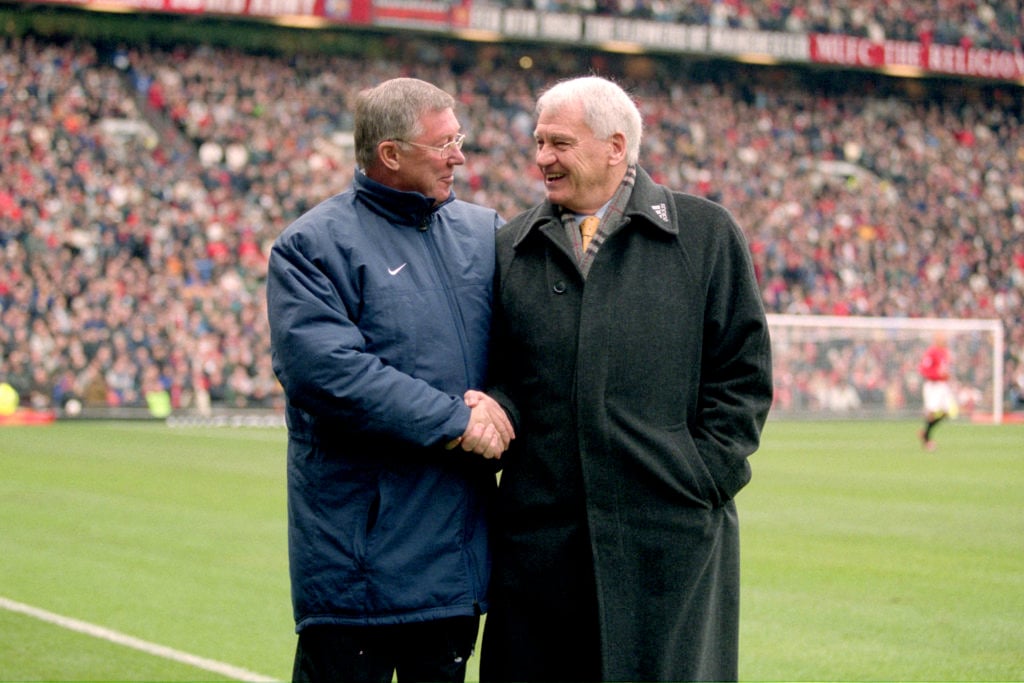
(649, 202)
(397, 206)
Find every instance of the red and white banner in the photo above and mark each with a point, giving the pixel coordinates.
(851, 51)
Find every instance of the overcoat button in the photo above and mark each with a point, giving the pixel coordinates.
(559, 287)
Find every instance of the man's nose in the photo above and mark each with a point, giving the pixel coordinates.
(544, 156)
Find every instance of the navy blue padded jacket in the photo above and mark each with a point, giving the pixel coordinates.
(379, 307)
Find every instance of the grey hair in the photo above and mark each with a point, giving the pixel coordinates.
(391, 111)
(607, 109)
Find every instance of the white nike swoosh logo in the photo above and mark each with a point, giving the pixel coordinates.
(396, 271)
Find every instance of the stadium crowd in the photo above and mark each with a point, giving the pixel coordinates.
(995, 25)
(142, 187)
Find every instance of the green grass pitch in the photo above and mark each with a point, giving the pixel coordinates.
(864, 557)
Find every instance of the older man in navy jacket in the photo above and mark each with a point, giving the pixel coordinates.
(379, 302)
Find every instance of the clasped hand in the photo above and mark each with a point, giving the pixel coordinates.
(489, 432)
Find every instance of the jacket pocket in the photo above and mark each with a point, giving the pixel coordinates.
(663, 460)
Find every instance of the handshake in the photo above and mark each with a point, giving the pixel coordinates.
(489, 432)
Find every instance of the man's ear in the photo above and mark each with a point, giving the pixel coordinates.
(387, 154)
(617, 149)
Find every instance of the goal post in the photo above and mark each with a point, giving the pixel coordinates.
(840, 366)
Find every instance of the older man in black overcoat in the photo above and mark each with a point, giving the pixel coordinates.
(636, 366)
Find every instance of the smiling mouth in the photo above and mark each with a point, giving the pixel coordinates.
(552, 177)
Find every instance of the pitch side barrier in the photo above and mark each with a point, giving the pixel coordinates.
(216, 417)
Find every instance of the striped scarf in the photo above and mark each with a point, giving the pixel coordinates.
(611, 220)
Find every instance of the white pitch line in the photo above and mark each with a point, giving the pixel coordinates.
(109, 635)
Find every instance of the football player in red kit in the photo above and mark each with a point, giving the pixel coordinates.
(936, 391)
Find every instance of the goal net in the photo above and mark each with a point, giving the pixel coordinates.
(837, 366)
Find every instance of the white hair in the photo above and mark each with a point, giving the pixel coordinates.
(607, 109)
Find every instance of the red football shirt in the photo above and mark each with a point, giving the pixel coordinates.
(935, 364)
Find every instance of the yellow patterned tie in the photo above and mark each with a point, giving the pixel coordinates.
(588, 226)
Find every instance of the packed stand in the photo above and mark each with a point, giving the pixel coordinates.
(134, 262)
(995, 25)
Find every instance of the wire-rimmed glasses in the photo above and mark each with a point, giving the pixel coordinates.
(444, 150)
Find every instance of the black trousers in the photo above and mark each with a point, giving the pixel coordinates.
(430, 651)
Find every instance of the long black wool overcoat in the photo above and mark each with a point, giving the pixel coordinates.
(638, 395)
